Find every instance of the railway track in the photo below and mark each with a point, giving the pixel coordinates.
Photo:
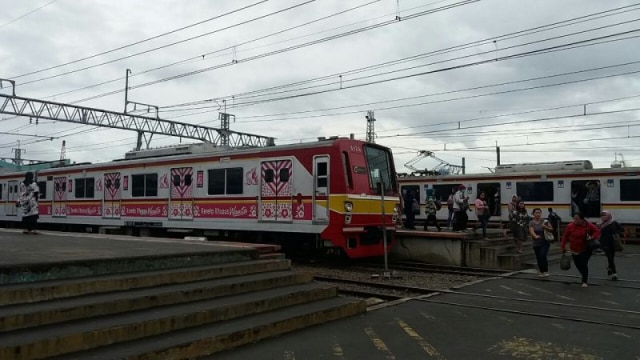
(442, 269)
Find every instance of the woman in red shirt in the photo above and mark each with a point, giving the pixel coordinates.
(576, 234)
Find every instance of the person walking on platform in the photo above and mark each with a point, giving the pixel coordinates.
(409, 209)
(609, 228)
(483, 214)
(430, 210)
(28, 202)
(576, 235)
(520, 225)
(460, 207)
(555, 221)
(450, 207)
(541, 246)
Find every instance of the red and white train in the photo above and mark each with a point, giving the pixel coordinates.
(320, 195)
(567, 187)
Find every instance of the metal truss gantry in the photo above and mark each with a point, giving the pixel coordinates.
(21, 106)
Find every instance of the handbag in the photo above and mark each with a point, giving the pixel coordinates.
(565, 262)
(617, 242)
(592, 243)
(549, 236)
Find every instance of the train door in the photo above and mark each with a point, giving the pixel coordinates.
(60, 197)
(276, 201)
(492, 197)
(13, 193)
(321, 189)
(181, 199)
(112, 196)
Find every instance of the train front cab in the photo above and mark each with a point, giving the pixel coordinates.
(365, 190)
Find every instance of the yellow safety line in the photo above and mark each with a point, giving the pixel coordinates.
(423, 343)
(289, 355)
(378, 343)
(337, 349)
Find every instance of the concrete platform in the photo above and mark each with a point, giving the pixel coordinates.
(54, 255)
(79, 296)
(519, 317)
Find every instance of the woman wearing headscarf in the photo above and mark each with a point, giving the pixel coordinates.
(520, 219)
(28, 201)
(608, 228)
(576, 234)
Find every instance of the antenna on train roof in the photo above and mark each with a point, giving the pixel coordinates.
(616, 164)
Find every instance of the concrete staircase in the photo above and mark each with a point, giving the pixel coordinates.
(155, 312)
(499, 252)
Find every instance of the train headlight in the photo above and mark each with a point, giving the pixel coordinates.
(396, 209)
(348, 206)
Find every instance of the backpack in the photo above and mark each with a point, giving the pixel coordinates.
(438, 204)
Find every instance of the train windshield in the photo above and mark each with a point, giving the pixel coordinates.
(380, 167)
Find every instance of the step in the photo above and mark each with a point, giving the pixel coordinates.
(45, 271)
(49, 312)
(209, 339)
(53, 340)
(47, 290)
(514, 260)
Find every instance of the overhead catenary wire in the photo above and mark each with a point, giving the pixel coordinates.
(140, 41)
(27, 14)
(200, 56)
(368, 105)
(279, 51)
(166, 45)
(512, 35)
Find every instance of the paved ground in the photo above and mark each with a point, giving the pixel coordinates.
(519, 317)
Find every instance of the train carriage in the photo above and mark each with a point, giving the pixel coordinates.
(567, 187)
(321, 195)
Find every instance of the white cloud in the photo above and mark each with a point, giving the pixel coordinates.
(68, 30)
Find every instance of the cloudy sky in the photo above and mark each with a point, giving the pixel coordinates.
(546, 80)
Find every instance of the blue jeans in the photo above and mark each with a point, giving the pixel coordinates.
(541, 256)
(484, 221)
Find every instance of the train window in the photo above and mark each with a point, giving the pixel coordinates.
(176, 180)
(347, 169)
(225, 181)
(85, 188)
(492, 196)
(0, 191)
(629, 189)
(269, 175)
(42, 186)
(585, 197)
(442, 192)
(216, 181)
(188, 179)
(284, 175)
(535, 190)
(380, 169)
(234, 181)
(410, 188)
(144, 185)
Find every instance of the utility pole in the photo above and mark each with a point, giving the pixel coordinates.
(17, 154)
(63, 150)
(224, 126)
(371, 133)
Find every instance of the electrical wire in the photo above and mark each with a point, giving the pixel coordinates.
(27, 14)
(140, 41)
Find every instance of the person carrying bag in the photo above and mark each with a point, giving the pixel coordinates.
(610, 231)
(576, 235)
